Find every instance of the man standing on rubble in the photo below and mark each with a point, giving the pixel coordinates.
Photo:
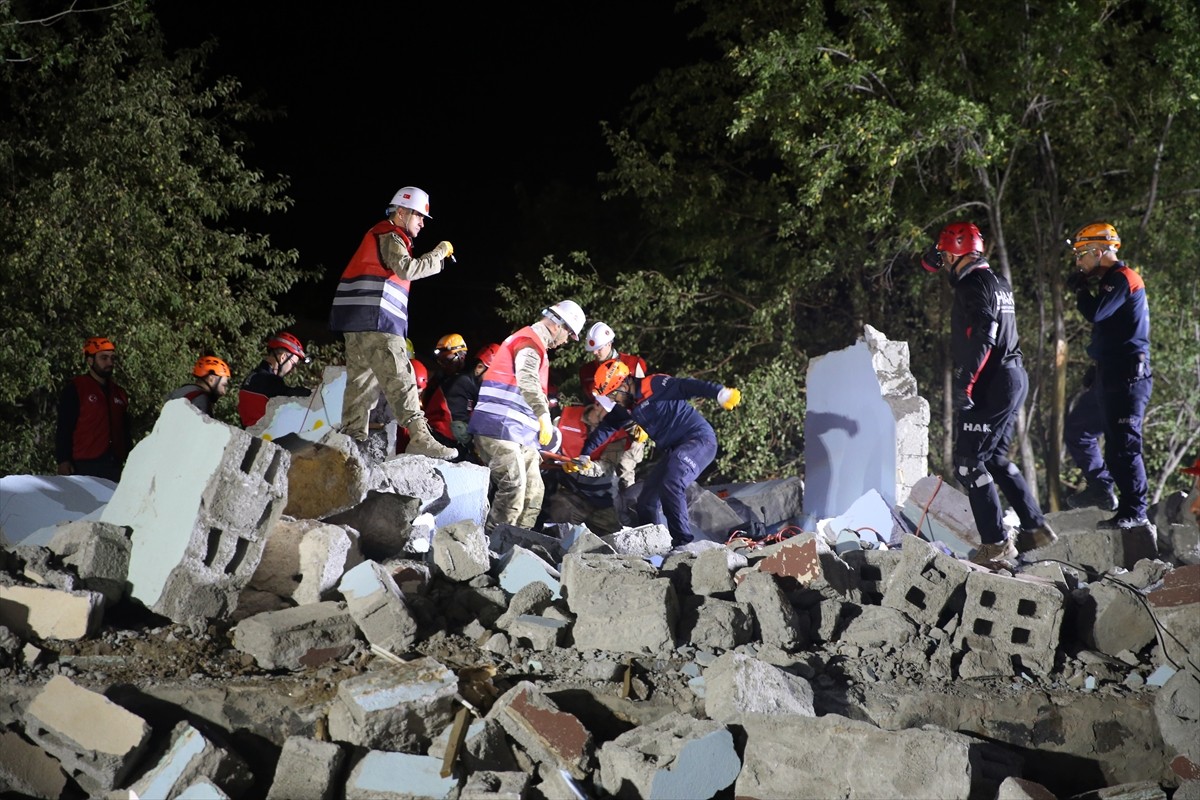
(686, 442)
(371, 309)
(989, 387)
(1115, 403)
(94, 435)
(512, 415)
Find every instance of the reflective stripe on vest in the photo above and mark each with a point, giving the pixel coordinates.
(501, 412)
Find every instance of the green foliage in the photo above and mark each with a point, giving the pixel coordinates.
(123, 204)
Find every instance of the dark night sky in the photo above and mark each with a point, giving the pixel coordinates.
(473, 103)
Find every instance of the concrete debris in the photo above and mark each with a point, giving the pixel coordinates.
(288, 615)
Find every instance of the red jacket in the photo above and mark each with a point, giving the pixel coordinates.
(102, 421)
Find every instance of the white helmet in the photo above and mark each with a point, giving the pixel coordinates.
(413, 198)
(598, 336)
(567, 312)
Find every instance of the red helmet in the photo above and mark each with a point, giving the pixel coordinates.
(609, 377)
(960, 238)
(285, 341)
(97, 344)
(421, 374)
(207, 365)
(487, 353)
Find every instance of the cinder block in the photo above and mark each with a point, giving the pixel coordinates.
(1010, 622)
(926, 585)
(97, 741)
(307, 770)
(28, 769)
(398, 776)
(199, 523)
(378, 607)
(98, 552)
(398, 708)
(48, 613)
(674, 756)
(872, 569)
(608, 593)
(299, 637)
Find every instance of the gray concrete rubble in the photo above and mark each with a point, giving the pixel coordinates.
(285, 615)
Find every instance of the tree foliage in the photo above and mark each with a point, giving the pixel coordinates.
(125, 197)
(787, 179)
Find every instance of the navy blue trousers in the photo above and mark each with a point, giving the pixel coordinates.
(1114, 407)
(664, 489)
(981, 456)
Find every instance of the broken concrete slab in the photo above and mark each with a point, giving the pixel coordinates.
(460, 550)
(603, 591)
(299, 637)
(399, 707)
(309, 418)
(377, 606)
(326, 477)
(199, 524)
(99, 554)
(307, 770)
(547, 733)
(48, 613)
(385, 775)
(940, 512)
(304, 559)
(737, 685)
(190, 758)
(776, 621)
(676, 756)
(27, 769)
(775, 503)
(384, 521)
(519, 567)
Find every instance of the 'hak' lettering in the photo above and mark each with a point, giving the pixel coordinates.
(977, 427)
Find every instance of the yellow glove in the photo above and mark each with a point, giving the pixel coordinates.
(728, 398)
(449, 248)
(576, 464)
(637, 433)
(545, 429)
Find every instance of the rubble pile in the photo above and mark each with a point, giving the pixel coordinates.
(286, 619)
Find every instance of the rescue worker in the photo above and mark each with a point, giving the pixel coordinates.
(1115, 404)
(210, 385)
(461, 390)
(512, 416)
(587, 493)
(685, 440)
(265, 381)
(93, 434)
(450, 355)
(989, 387)
(371, 309)
(599, 343)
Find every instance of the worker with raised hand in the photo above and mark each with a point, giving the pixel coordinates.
(371, 309)
(989, 388)
(1115, 403)
(284, 353)
(512, 415)
(93, 435)
(210, 383)
(685, 440)
(600, 343)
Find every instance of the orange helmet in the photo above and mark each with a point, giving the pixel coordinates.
(285, 341)
(450, 343)
(421, 374)
(1096, 232)
(960, 238)
(609, 377)
(487, 353)
(97, 344)
(207, 365)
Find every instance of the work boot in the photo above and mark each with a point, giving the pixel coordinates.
(422, 443)
(997, 555)
(1033, 538)
(1095, 495)
(1123, 521)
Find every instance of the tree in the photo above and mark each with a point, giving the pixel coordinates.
(123, 205)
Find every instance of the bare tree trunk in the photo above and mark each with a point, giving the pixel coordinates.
(1058, 403)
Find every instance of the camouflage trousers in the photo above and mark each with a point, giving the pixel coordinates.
(377, 361)
(516, 478)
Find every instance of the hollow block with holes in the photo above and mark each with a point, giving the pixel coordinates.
(1015, 621)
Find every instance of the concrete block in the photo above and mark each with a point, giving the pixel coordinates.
(926, 585)
(865, 427)
(495, 786)
(776, 622)
(872, 569)
(538, 633)
(97, 741)
(400, 707)
(1177, 605)
(547, 733)
(34, 505)
(297, 638)
(399, 776)
(775, 503)
(307, 770)
(878, 627)
(1096, 550)
(737, 685)
(519, 567)
(98, 552)
(460, 551)
(644, 540)
(304, 559)
(1010, 623)
(466, 496)
(50, 613)
(309, 418)
(712, 571)
(326, 477)
(789, 756)
(715, 624)
(191, 758)
(1177, 709)
(485, 748)
(375, 602)
(384, 523)
(1113, 619)
(676, 756)
(411, 475)
(606, 593)
(941, 512)
(199, 523)
(27, 769)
